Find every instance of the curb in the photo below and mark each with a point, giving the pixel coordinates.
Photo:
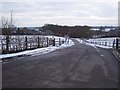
(12, 58)
(116, 54)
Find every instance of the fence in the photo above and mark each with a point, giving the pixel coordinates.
(10, 44)
(112, 43)
(116, 44)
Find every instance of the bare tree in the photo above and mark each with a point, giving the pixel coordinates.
(7, 23)
(4, 22)
(11, 21)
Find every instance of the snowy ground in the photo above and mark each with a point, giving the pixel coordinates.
(40, 51)
(99, 42)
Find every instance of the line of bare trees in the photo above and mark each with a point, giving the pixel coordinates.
(72, 31)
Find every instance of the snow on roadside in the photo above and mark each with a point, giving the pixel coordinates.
(95, 46)
(39, 51)
(80, 40)
(42, 51)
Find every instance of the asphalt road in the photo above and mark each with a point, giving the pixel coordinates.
(78, 66)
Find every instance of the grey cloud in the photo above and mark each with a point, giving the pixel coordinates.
(72, 12)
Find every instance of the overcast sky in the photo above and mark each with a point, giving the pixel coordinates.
(62, 12)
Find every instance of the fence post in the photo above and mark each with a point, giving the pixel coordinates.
(47, 42)
(113, 43)
(54, 42)
(7, 44)
(116, 43)
(63, 41)
(38, 42)
(26, 43)
(59, 42)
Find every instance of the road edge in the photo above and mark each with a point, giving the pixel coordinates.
(115, 53)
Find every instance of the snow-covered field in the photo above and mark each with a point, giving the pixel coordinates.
(99, 42)
(41, 51)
